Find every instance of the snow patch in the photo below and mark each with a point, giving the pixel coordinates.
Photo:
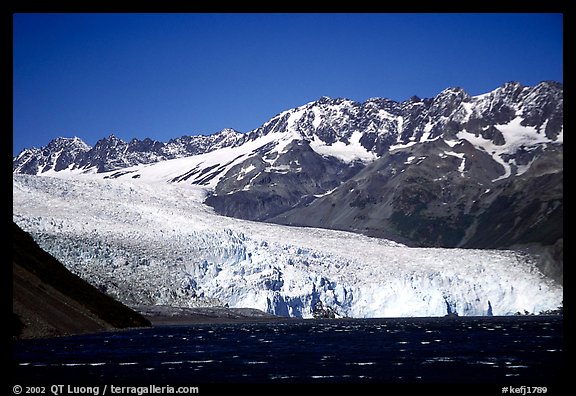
(401, 146)
(451, 143)
(244, 171)
(515, 135)
(345, 152)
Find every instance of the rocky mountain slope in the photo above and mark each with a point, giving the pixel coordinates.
(48, 300)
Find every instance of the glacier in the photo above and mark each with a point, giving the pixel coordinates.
(155, 243)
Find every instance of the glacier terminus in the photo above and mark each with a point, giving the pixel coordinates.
(147, 243)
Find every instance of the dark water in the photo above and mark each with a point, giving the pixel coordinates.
(504, 350)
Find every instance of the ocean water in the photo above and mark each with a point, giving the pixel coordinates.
(526, 350)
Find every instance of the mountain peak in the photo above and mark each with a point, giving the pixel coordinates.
(67, 142)
(551, 84)
(512, 85)
(111, 138)
(453, 92)
(228, 132)
(325, 100)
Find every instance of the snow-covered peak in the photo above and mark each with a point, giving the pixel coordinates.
(446, 103)
(229, 132)
(323, 100)
(226, 137)
(64, 143)
(452, 92)
(59, 154)
(111, 138)
(325, 119)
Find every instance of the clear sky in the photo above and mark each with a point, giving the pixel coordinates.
(167, 75)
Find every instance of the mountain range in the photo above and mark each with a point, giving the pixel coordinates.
(455, 170)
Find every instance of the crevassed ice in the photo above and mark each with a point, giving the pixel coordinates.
(154, 243)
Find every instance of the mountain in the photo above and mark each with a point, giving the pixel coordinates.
(48, 300)
(435, 172)
(58, 155)
(455, 170)
(112, 153)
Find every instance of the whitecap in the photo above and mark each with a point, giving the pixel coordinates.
(362, 363)
(201, 361)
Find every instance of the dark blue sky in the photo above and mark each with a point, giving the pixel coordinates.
(167, 75)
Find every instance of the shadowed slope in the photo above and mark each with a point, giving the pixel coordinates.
(48, 300)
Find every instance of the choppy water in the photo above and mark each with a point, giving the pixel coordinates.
(507, 350)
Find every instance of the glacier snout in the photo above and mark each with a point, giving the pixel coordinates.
(161, 246)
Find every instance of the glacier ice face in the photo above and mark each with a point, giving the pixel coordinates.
(154, 243)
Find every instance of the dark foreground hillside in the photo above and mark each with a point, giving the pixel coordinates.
(48, 300)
